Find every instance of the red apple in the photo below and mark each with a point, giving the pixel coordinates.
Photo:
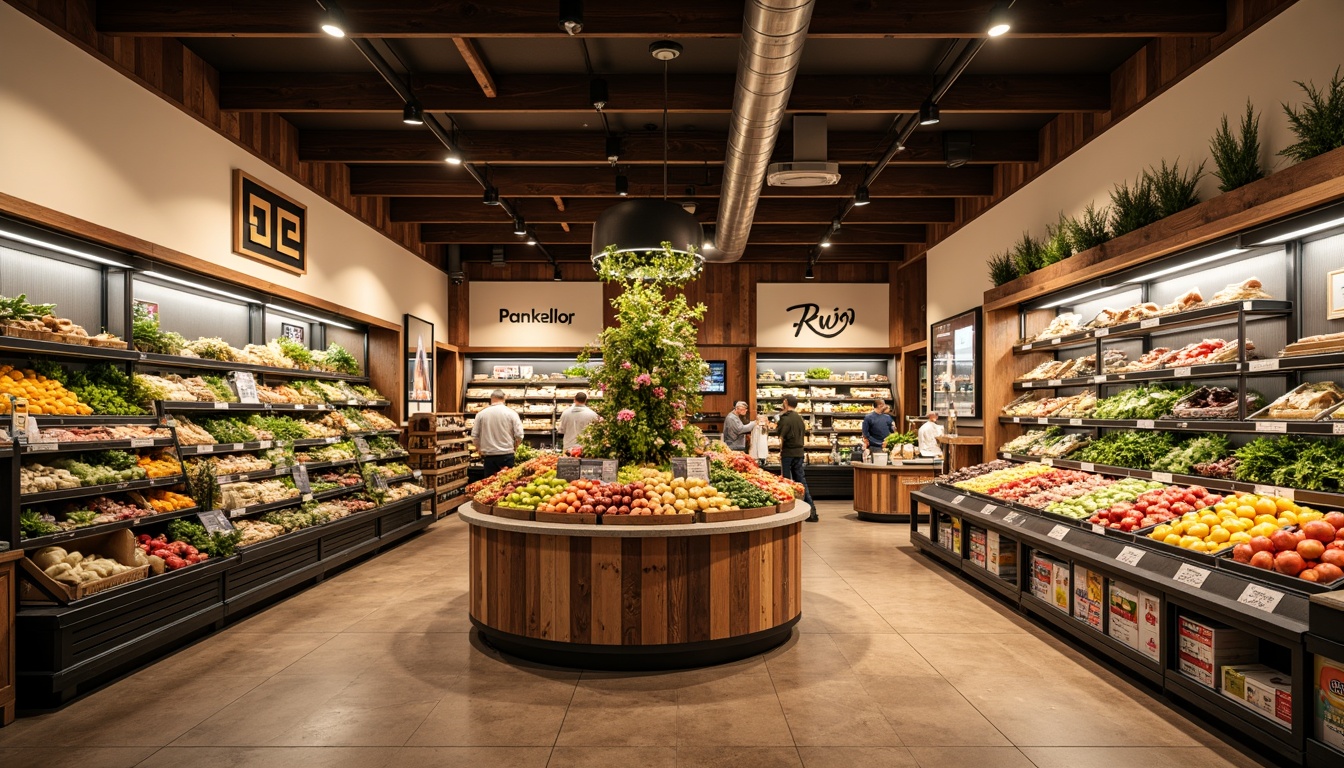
(1329, 572)
(1283, 541)
(1310, 549)
(1242, 553)
(1319, 530)
(1309, 574)
(1263, 559)
(1335, 518)
(1289, 562)
(1333, 557)
(1262, 544)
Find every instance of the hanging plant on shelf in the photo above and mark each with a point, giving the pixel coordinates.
(650, 370)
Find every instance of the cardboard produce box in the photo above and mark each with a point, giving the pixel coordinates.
(1042, 577)
(949, 532)
(1000, 555)
(1089, 597)
(978, 546)
(1205, 647)
(1329, 699)
(1150, 626)
(1263, 689)
(1123, 606)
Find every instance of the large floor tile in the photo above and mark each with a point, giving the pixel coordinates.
(857, 757)
(1135, 757)
(882, 654)
(613, 757)
(961, 757)
(616, 713)
(738, 757)
(83, 757)
(927, 711)
(264, 713)
(270, 757)
(496, 711)
(834, 711)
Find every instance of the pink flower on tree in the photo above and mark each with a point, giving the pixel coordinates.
(625, 415)
(603, 386)
(659, 392)
(679, 405)
(643, 379)
(678, 424)
(626, 365)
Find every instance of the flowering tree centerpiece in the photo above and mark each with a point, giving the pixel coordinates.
(651, 371)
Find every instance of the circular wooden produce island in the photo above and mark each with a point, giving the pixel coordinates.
(882, 492)
(637, 597)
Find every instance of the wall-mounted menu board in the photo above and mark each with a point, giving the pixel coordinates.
(954, 374)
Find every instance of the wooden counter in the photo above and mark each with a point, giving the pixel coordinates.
(962, 450)
(8, 599)
(882, 493)
(635, 597)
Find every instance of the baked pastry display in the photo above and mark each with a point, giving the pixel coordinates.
(1308, 401)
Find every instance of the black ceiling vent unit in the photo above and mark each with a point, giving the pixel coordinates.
(957, 146)
(809, 167)
(497, 256)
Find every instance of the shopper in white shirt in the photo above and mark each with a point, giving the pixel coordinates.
(928, 436)
(760, 442)
(575, 419)
(497, 432)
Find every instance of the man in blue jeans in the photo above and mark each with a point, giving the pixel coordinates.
(792, 432)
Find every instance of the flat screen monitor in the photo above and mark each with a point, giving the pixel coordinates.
(716, 383)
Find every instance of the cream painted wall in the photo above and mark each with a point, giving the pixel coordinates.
(80, 138)
(1301, 43)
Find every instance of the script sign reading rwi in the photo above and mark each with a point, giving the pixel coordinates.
(534, 314)
(812, 315)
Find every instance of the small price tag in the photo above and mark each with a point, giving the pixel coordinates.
(1162, 477)
(299, 406)
(1056, 382)
(1337, 428)
(264, 444)
(1018, 420)
(1151, 322)
(988, 509)
(236, 447)
(215, 521)
(1130, 555)
(331, 440)
(1012, 517)
(1264, 598)
(1098, 529)
(1100, 379)
(1029, 384)
(958, 499)
(1087, 466)
(1145, 424)
(220, 405)
(1058, 532)
(306, 497)
(352, 402)
(1247, 305)
(1271, 426)
(1042, 420)
(1075, 422)
(1055, 340)
(1182, 373)
(1047, 461)
(36, 447)
(205, 449)
(1191, 576)
(1258, 366)
(242, 478)
(1266, 490)
(1026, 347)
(142, 442)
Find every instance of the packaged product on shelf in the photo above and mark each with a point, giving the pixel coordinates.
(1213, 403)
(1062, 325)
(1329, 701)
(1315, 345)
(1123, 606)
(1150, 625)
(1043, 577)
(1191, 299)
(1089, 596)
(1000, 555)
(1263, 689)
(1246, 290)
(1204, 647)
(1060, 585)
(1307, 401)
(978, 546)
(949, 532)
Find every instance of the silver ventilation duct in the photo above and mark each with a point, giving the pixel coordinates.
(773, 33)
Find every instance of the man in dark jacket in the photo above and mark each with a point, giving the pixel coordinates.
(792, 432)
(877, 425)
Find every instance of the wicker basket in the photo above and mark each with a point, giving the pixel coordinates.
(107, 343)
(74, 338)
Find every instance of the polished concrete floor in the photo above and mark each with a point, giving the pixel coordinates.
(896, 663)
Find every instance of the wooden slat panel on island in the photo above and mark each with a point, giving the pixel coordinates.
(636, 597)
(882, 493)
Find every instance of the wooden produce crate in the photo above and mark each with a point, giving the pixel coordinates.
(566, 518)
(683, 518)
(37, 587)
(723, 516)
(513, 513)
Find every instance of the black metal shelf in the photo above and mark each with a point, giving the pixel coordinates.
(257, 509)
(150, 361)
(10, 345)
(205, 450)
(78, 446)
(97, 490)
(94, 530)
(260, 474)
(1258, 426)
(313, 442)
(332, 493)
(95, 420)
(1202, 316)
(178, 405)
(1207, 371)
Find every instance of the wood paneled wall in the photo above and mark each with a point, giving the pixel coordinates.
(183, 79)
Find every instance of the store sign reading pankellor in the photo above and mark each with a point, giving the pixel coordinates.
(822, 315)
(534, 314)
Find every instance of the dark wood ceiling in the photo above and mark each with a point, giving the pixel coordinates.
(515, 89)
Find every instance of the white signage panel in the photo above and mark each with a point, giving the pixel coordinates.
(535, 314)
(823, 315)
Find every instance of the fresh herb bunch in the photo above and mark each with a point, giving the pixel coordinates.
(300, 354)
(382, 445)
(1027, 254)
(1140, 403)
(1002, 269)
(356, 418)
(227, 429)
(1133, 207)
(1319, 123)
(212, 544)
(107, 390)
(1089, 230)
(1182, 459)
(1237, 158)
(203, 486)
(576, 371)
(281, 427)
(1135, 450)
(223, 393)
(819, 373)
(149, 337)
(739, 490)
(900, 438)
(337, 359)
(18, 308)
(1293, 462)
(31, 524)
(117, 460)
(1174, 189)
(212, 348)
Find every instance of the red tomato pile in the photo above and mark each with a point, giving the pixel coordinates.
(1154, 507)
(1314, 552)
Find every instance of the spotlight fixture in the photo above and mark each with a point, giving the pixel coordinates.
(622, 185)
(835, 225)
(571, 16)
(709, 239)
(531, 239)
(519, 226)
(410, 114)
(1000, 20)
(808, 274)
(334, 22)
(491, 196)
(861, 197)
(454, 157)
(597, 93)
(928, 114)
(556, 276)
(613, 149)
(826, 243)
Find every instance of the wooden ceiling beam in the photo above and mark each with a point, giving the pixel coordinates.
(643, 148)
(585, 210)
(686, 18)
(471, 54)
(763, 234)
(646, 181)
(693, 94)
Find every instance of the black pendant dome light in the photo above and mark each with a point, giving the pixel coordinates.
(642, 226)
